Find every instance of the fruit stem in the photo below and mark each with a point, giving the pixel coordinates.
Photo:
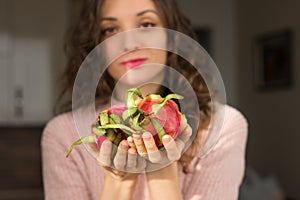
(86, 139)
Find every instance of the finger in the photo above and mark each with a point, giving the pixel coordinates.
(183, 138)
(141, 164)
(180, 145)
(131, 142)
(173, 152)
(94, 149)
(121, 155)
(132, 158)
(154, 154)
(132, 150)
(105, 153)
(186, 134)
(139, 145)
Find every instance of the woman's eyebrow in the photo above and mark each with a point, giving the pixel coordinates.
(108, 18)
(146, 11)
(138, 14)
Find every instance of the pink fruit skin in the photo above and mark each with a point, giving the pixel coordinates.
(100, 140)
(168, 116)
(117, 109)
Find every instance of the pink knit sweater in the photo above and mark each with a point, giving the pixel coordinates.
(216, 176)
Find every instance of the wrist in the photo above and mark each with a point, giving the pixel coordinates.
(164, 183)
(168, 172)
(117, 187)
(128, 182)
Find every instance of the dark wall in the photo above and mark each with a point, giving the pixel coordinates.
(20, 158)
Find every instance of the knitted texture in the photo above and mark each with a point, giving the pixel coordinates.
(217, 176)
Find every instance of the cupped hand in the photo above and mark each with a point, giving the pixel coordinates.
(146, 147)
(125, 164)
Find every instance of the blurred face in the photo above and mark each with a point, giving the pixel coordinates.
(132, 64)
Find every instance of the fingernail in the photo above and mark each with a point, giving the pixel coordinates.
(189, 131)
(107, 144)
(147, 136)
(129, 139)
(124, 146)
(166, 139)
(137, 137)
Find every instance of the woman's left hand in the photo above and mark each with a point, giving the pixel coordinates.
(146, 147)
(164, 182)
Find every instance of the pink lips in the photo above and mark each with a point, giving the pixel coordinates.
(134, 63)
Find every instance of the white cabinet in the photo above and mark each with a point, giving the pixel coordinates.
(31, 59)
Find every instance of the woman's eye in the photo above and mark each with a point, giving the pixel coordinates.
(147, 24)
(108, 31)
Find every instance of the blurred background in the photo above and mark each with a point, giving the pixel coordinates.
(255, 44)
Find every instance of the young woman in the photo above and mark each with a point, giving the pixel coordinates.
(217, 175)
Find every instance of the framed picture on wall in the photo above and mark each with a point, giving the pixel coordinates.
(273, 60)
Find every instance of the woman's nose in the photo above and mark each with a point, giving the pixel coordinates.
(130, 40)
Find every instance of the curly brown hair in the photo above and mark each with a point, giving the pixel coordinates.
(85, 36)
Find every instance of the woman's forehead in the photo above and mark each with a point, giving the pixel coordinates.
(115, 8)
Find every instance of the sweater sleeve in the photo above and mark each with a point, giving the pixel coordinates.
(218, 175)
(63, 178)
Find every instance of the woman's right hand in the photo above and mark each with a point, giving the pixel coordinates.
(126, 164)
(122, 170)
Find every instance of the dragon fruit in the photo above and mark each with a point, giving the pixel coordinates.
(107, 126)
(154, 114)
(151, 113)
